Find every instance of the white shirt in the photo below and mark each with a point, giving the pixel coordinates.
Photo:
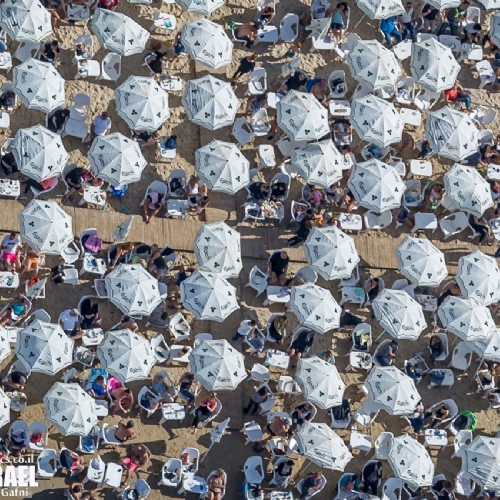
(101, 125)
(12, 245)
(407, 16)
(68, 321)
(245, 328)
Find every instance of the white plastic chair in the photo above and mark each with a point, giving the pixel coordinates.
(426, 99)
(87, 47)
(409, 83)
(307, 274)
(346, 47)
(446, 352)
(111, 67)
(314, 492)
(140, 486)
(286, 179)
(179, 327)
(377, 221)
(460, 441)
(46, 464)
(487, 117)
(171, 473)
(254, 470)
(337, 75)
(19, 425)
(242, 131)
(108, 435)
(288, 386)
(462, 356)
(464, 485)
(485, 72)
(260, 123)
(289, 27)
(95, 435)
(448, 380)
(194, 459)
(38, 428)
(340, 424)
(213, 416)
(27, 50)
(257, 81)
(159, 187)
(382, 445)
(453, 224)
(52, 185)
(359, 441)
(166, 154)
(261, 374)
(79, 12)
(154, 397)
(161, 350)
(366, 414)
(392, 489)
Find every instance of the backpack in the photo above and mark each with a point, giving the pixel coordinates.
(341, 412)
(171, 142)
(8, 99)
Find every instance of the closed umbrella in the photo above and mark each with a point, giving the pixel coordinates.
(381, 9)
(204, 7)
(481, 461)
(217, 249)
(5, 349)
(4, 409)
(489, 348)
(121, 231)
(39, 153)
(495, 27)
(25, 20)
(331, 252)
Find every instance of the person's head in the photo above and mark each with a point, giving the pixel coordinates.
(264, 187)
(342, 6)
(99, 380)
(12, 236)
(128, 246)
(261, 98)
(76, 488)
(254, 57)
(219, 472)
(189, 376)
(345, 149)
(262, 391)
(445, 407)
(54, 44)
(155, 44)
(283, 254)
(298, 45)
(127, 391)
(435, 339)
(74, 312)
(447, 485)
(213, 395)
(477, 27)
(104, 115)
(129, 424)
(290, 463)
(252, 322)
(408, 6)
(204, 200)
(307, 407)
(394, 343)
(158, 377)
(327, 354)
(317, 474)
(464, 5)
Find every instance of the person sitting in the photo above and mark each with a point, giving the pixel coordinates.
(71, 462)
(277, 329)
(386, 355)
(75, 179)
(259, 191)
(125, 431)
(70, 323)
(260, 395)
(448, 290)
(316, 198)
(160, 385)
(50, 52)
(414, 372)
(266, 16)
(453, 18)
(98, 389)
(348, 202)
(320, 89)
(153, 203)
(348, 321)
(417, 419)
(407, 21)
(9, 164)
(326, 355)
(443, 490)
(196, 188)
(372, 474)
(154, 60)
(247, 327)
(57, 120)
(31, 262)
(178, 47)
(425, 151)
(39, 186)
(390, 29)
(372, 287)
(294, 82)
(136, 458)
(440, 413)
(186, 383)
(433, 196)
(204, 411)
(436, 347)
(123, 400)
(145, 138)
(15, 311)
(126, 322)
(283, 475)
(121, 253)
(157, 265)
(109, 4)
(277, 267)
(247, 32)
(277, 427)
(311, 483)
(10, 247)
(339, 15)
(100, 126)
(349, 483)
(481, 226)
(89, 311)
(256, 103)
(216, 485)
(76, 492)
(300, 417)
(301, 345)
(278, 190)
(14, 381)
(247, 65)
(458, 94)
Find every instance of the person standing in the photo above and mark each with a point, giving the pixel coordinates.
(247, 65)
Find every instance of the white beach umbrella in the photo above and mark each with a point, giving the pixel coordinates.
(46, 227)
(451, 133)
(421, 262)
(126, 355)
(217, 249)
(204, 7)
(70, 409)
(410, 461)
(489, 5)
(4, 408)
(320, 382)
(207, 43)
(331, 252)
(209, 296)
(319, 163)
(489, 348)
(495, 26)
(222, 166)
(323, 447)
(119, 33)
(371, 63)
(121, 231)
(217, 365)
(468, 189)
(142, 103)
(381, 9)
(394, 391)
(39, 85)
(399, 315)
(302, 117)
(133, 290)
(5, 349)
(116, 159)
(466, 318)
(44, 347)
(376, 121)
(376, 185)
(319, 27)
(210, 102)
(315, 307)
(25, 20)
(445, 4)
(433, 65)
(39, 153)
(481, 461)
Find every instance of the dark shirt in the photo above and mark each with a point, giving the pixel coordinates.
(302, 342)
(431, 15)
(255, 190)
(88, 309)
(75, 175)
(280, 468)
(454, 15)
(60, 116)
(155, 64)
(246, 65)
(50, 52)
(278, 264)
(295, 82)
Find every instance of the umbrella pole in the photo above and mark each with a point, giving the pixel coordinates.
(302, 470)
(477, 371)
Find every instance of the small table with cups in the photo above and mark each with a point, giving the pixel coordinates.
(436, 437)
(92, 337)
(276, 358)
(10, 188)
(172, 411)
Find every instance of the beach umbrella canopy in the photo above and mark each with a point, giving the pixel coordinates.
(142, 103)
(451, 133)
(217, 249)
(381, 9)
(39, 153)
(217, 365)
(315, 307)
(320, 382)
(302, 117)
(39, 85)
(116, 159)
(376, 121)
(489, 5)
(410, 461)
(481, 460)
(376, 185)
(4, 346)
(126, 355)
(44, 347)
(433, 65)
(207, 43)
(25, 20)
(371, 63)
(70, 409)
(209, 296)
(119, 33)
(468, 189)
(466, 318)
(319, 163)
(4, 408)
(489, 348)
(46, 227)
(323, 447)
(394, 391)
(319, 27)
(210, 102)
(204, 7)
(133, 290)
(421, 262)
(331, 252)
(399, 315)
(222, 166)
(495, 26)
(445, 4)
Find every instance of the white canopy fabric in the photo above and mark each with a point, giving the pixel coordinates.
(217, 249)
(451, 133)
(119, 33)
(468, 189)
(133, 290)
(302, 117)
(209, 296)
(4, 409)
(489, 5)
(39, 153)
(433, 65)
(318, 163)
(121, 231)
(399, 315)
(376, 185)
(207, 43)
(481, 461)
(25, 20)
(39, 85)
(44, 347)
(319, 27)
(394, 391)
(495, 25)
(126, 355)
(421, 262)
(489, 348)
(445, 4)
(217, 365)
(46, 227)
(371, 63)
(204, 7)
(331, 252)
(320, 382)
(210, 102)
(319, 444)
(315, 307)
(5, 349)
(222, 166)
(376, 121)
(116, 159)
(381, 9)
